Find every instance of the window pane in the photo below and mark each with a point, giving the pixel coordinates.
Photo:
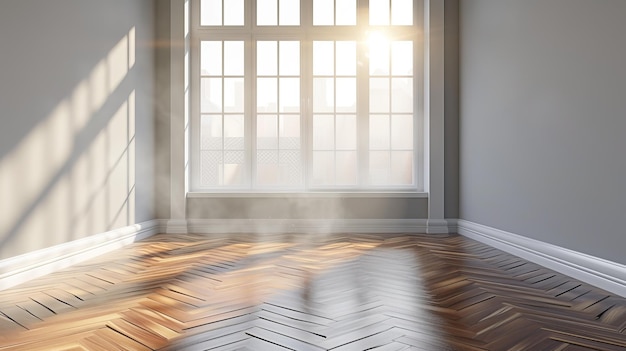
(210, 12)
(402, 95)
(323, 95)
(233, 95)
(211, 132)
(267, 132)
(267, 12)
(346, 167)
(289, 132)
(233, 132)
(346, 132)
(323, 58)
(289, 94)
(379, 132)
(402, 58)
(290, 167)
(379, 12)
(211, 58)
(402, 167)
(233, 167)
(402, 132)
(402, 12)
(234, 58)
(211, 168)
(379, 55)
(379, 167)
(268, 171)
(289, 13)
(233, 13)
(289, 58)
(267, 58)
(211, 95)
(346, 94)
(379, 95)
(346, 58)
(323, 167)
(267, 95)
(323, 12)
(346, 12)
(323, 133)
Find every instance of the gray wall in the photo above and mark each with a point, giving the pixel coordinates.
(76, 119)
(543, 115)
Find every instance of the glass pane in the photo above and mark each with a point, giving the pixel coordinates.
(233, 13)
(323, 12)
(233, 95)
(267, 58)
(346, 58)
(289, 13)
(379, 167)
(211, 132)
(268, 171)
(323, 167)
(210, 12)
(267, 132)
(402, 12)
(379, 133)
(290, 167)
(323, 95)
(379, 12)
(402, 95)
(267, 95)
(402, 167)
(323, 133)
(289, 132)
(379, 95)
(346, 167)
(346, 94)
(346, 12)
(211, 95)
(402, 132)
(402, 58)
(378, 54)
(323, 58)
(346, 132)
(267, 12)
(211, 168)
(233, 132)
(234, 58)
(289, 58)
(211, 58)
(233, 167)
(289, 95)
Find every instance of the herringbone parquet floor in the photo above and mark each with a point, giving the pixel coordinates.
(309, 292)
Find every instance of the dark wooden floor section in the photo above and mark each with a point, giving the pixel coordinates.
(310, 292)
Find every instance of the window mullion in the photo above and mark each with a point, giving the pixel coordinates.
(306, 119)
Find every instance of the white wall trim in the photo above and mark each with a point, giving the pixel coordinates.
(607, 275)
(22, 268)
(211, 226)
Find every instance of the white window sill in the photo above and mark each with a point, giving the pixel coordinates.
(321, 194)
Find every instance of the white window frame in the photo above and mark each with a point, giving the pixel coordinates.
(306, 33)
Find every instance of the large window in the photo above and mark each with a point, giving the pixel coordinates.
(306, 95)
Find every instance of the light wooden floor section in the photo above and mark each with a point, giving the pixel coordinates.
(310, 292)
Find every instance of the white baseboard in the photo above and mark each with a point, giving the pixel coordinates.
(607, 275)
(22, 268)
(210, 226)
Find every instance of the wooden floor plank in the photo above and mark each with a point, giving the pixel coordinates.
(386, 292)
